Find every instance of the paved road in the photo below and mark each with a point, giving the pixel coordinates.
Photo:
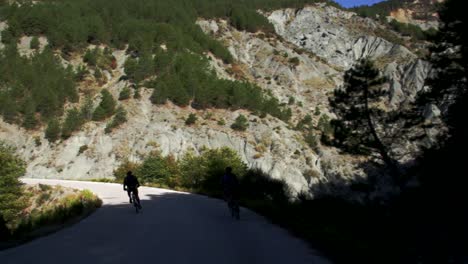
(174, 228)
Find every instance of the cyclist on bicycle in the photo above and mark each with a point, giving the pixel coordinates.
(130, 185)
(230, 186)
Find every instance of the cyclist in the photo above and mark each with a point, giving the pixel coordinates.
(130, 185)
(230, 187)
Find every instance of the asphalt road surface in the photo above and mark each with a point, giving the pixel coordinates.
(173, 227)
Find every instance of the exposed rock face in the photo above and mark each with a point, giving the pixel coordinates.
(267, 62)
(342, 38)
(334, 35)
(268, 144)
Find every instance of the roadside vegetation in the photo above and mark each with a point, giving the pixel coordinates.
(27, 212)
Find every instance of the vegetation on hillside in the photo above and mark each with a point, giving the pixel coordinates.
(32, 86)
(11, 168)
(146, 27)
(381, 10)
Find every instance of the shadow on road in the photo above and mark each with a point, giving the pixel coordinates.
(172, 228)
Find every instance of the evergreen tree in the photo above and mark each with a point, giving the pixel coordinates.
(35, 43)
(356, 109)
(106, 108)
(119, 118)
(29, 120)
(11, 168)
(73, 122)
(53, 129)
(241, 123)
(125, 94)
(191, 119)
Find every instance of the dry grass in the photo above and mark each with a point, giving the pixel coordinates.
(49, 209)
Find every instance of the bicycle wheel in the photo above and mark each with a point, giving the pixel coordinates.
(135, 203)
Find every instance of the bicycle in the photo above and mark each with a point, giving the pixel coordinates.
(233, 205)
(135, 203)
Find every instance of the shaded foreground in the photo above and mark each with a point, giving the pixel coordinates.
(174, 227)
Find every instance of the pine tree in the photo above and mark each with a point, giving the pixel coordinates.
(73, 122)
(356, 110)
(53, 129)
(11, 168)
(35, 44)
(106, 108)
(241, 123)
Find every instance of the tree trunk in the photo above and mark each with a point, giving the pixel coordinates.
(382, 149)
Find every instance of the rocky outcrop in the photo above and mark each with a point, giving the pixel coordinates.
(334, 35)
(342, 38)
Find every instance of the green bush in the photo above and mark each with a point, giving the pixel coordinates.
(221, 122)
(119, 118)
(98, 74)
(123, 168)
(11, 168)
(311, 140)
(73, 122)
(305, 123)
(80, 73)
(34, 44)
(53, 130)
(191, 119)
(125, 94)
(203, 173)
(82, 149)
(294, 61)
(158, 169)
(91, 57)
(241, 123)
(106, 108)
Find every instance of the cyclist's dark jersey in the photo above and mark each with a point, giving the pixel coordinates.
(230, 184)
(131, 182)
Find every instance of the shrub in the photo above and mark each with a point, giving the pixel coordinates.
(73, 122)
(34, 44)
(91, 57)
(241, 123)
(119, 118)
(98, 74)
(191, 119)
(294, 61)
(221, 122)
(11, 168)
(80, 73)
(123, 168)
(125, 94)
(203, 172)
(157, 169)
(311, 140)
(53, 129)
(305, 123)
(106, 108)
(82, 149)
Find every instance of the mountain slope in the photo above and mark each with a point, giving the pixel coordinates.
(298, 67)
